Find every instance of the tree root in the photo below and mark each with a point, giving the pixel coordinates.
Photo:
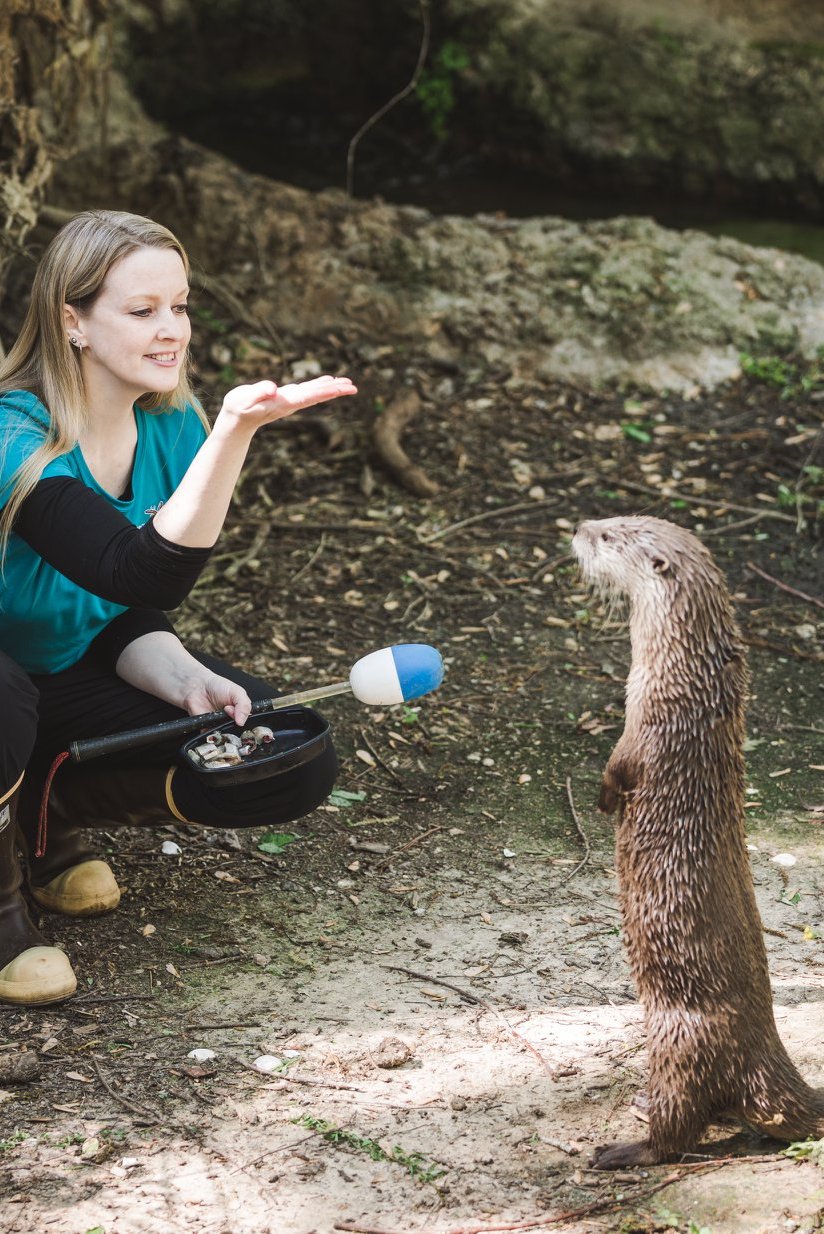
(387, 433)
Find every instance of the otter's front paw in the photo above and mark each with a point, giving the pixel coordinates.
(610, 796)
(623, 1156)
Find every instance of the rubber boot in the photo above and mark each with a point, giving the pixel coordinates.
(31, 972)
(70, 878)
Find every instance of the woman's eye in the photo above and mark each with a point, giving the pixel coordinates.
(181, 308)
(141, 312)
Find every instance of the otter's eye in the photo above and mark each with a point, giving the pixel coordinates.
(606, 537)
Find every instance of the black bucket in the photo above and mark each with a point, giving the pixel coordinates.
(300, 736)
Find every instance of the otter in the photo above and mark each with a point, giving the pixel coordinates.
(690, 920)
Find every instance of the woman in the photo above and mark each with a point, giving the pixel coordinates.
(113, 492)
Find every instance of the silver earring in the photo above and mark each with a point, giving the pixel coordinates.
(75, 342)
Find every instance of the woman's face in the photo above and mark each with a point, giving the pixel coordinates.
(134, 337)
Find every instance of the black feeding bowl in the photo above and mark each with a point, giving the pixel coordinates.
(300, 736)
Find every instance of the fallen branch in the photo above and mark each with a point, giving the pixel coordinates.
(480, 518)
(410, 843)
(143, 1112)
(608, 1204)
(480, 1002)
(776, 582)
(386, 436)
(580, 831)
(675, 495)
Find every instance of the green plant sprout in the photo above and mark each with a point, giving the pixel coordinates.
(436, 89)
(340, 1137)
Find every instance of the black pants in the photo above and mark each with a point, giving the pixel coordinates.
(41, 714)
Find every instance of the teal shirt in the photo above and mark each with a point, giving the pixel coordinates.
(47, 622)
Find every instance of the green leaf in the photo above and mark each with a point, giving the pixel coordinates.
(275, 842)
(637, 432)
(341, 798)
(806, 1150)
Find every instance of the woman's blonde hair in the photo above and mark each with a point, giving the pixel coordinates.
(72, 271)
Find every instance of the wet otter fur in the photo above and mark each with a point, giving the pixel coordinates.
(690, 919)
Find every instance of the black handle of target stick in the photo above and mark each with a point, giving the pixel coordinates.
(82, 751)
(133, 739)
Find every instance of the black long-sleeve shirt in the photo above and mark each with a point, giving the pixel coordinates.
(83, 536)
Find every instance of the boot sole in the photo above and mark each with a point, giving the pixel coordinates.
(68, 907)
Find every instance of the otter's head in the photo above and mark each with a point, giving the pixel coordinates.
(655, 564)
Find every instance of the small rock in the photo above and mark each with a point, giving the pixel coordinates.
(458, 1103)
(514, 938)
(170, 849)
(805, 631)
(391, 1052)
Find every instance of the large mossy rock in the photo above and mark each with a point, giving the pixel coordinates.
(621, 299)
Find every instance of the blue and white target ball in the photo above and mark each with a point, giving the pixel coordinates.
(396, 674)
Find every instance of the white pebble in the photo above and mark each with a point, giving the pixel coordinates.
(266, 1063)
(509, 853)
(201, 1056)
(785, 859)
(170, 849)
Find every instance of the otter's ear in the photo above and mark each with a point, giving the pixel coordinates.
(660, 565)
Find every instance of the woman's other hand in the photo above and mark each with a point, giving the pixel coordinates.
(214, 693)
(159, 664)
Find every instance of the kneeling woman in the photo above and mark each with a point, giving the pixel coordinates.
(113, 493)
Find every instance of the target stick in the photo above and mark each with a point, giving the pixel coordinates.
(391, 675)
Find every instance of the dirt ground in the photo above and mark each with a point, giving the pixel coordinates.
(435, 958)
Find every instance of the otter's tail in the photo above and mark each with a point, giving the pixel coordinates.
(776, 1100)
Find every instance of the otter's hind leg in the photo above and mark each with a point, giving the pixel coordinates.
(682, 1092)
(676, 1121)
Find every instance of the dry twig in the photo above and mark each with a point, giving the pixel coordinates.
(396, 98)
(580, 831)
(143, 1112)
(776, 582)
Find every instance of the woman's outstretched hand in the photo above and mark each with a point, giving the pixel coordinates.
(264, 401)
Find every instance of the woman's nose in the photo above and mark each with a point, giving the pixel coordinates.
(172, 325)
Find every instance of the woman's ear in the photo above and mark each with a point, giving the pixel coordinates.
(71, 321)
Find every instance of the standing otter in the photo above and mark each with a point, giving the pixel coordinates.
(690, 919)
